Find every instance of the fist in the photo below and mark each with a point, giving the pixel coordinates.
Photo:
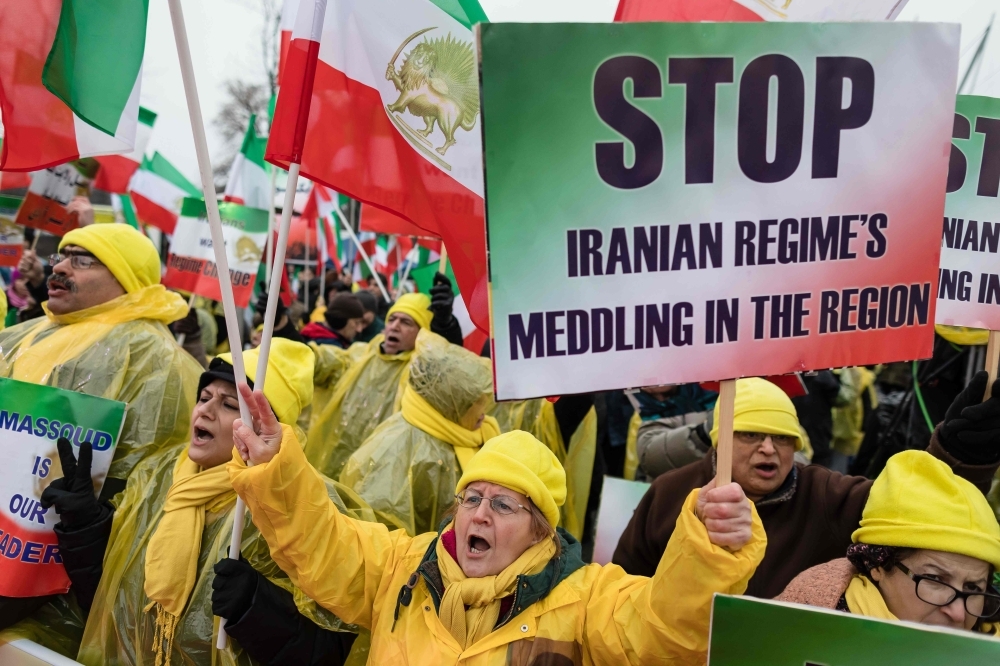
(31, 267)
(726, 514)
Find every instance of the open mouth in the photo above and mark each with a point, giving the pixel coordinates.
(392, 338)
(56, 289)
(478, 545)
(202, 436)
(767, 470)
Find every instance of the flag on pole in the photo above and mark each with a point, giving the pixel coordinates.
(389, 250)
(117, 170)
(191, 263)
(70, 72)
(249, 182)
(757, 10)
(382, 221)
(157, 190)
(345, 113)
(288, 10)
(121, 204)
(318, 211)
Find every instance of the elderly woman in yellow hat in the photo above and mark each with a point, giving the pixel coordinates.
(151, 587)
(926, 551)
(499, 583)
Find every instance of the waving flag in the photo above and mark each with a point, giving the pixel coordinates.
(249, 183)
(382, 221)
(758, 10)
(285, 25)
(157, 190)
(357, 80)
(69, 79)
(116, 170)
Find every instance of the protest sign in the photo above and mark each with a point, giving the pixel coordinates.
(969, 285)
(659, 211)
(755, 632)
(32, 418)
(11, 234)
(191, 262)
(619, 498)
(49, 194)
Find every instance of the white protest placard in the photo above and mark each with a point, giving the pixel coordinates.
(681, 202)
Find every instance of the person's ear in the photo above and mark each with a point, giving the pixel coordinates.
(877, 574)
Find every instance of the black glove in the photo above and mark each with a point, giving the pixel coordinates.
(73, 495)
(971, 427)
(233, 588)
(188, 325)
(442, 298)
(261, 306)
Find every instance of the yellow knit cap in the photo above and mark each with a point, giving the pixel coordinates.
(918, 502)
(129, 255)
(761, 406)
(518, 461)
(288, 385)
(963, 335)
(415, 305)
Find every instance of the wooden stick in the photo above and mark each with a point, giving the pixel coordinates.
(182, 337)
(364, 254)
(34, 239)
(992, 361)
(218, 244)
(443, 266)
(724, 456)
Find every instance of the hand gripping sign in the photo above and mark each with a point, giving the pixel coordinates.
(32, 419)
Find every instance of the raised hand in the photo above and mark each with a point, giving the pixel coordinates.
(260, 441)
(971, 427)
(73, 494)
(726, 514)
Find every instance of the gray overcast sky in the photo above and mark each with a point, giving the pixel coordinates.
(224, 36)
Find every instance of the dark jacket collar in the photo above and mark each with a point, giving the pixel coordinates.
(529, 590)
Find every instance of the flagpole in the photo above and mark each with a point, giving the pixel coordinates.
(320, 264)
(443, 263)
(270, 226)
(182, 337)
(409, 265)
(364, 255)
(218, 246)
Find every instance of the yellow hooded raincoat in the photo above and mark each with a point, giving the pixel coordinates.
(587, 614)
(407, 469)
(122, 625)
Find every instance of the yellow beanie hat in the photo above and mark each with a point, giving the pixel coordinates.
(918, 502)
(518, 461)
(288, 385)
(129, 255)
(761, 406)
(417, 306)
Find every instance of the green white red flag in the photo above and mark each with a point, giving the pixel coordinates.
(70, 72)
(191, 262)
(382, 221)
(157, 190)
(353, 126)
(249, 181)
(116, 170)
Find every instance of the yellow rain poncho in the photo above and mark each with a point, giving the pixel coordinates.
(407, 469)
(171, 527)
(368, 390)
(120, 350)
(592, 615)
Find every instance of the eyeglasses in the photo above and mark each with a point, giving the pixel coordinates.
(937, 593)
(759, 437)
(501, 504)
(77, 261)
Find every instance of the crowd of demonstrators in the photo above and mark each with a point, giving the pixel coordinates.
(809, 512)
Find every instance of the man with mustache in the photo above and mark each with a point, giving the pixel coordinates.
(105, 334)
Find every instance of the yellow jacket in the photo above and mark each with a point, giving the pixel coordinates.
(385, 582)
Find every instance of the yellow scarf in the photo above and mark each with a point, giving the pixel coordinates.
(350, 376)
(421, 414)
(470, 607)
(78, 331)
(172, 553)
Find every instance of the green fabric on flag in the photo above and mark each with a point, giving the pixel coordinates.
(159, 165)
(96, 58)
(424, 277)
(466, 12)
(146, 117)
(253, 145)
(128, 211)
